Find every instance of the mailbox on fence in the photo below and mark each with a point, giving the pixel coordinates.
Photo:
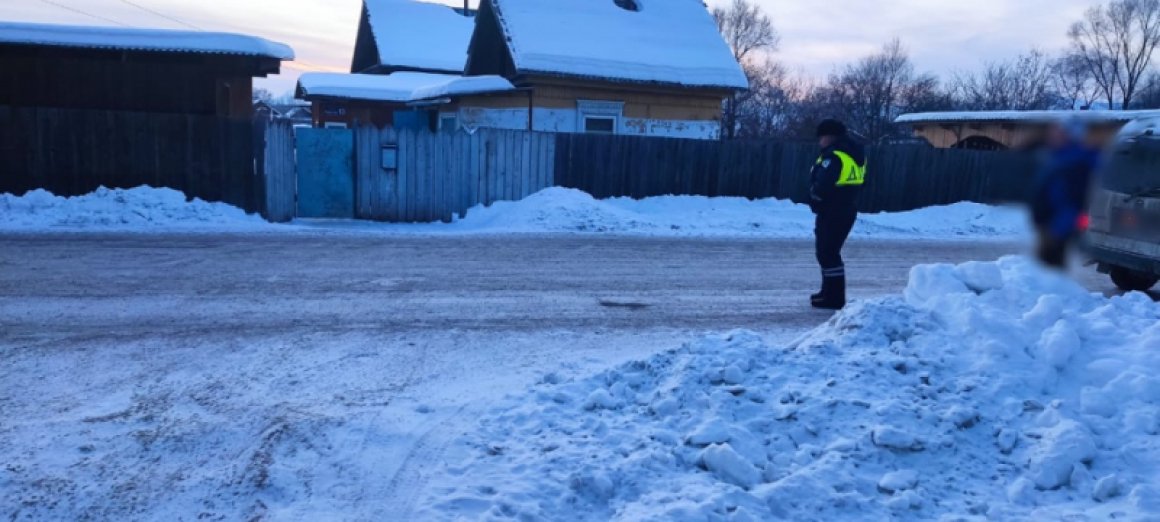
(390, 157)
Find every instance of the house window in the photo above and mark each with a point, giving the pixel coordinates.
(448, 123)
(599, 117)
(600, 124)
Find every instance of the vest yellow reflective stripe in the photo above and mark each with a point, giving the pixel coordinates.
(852, 172)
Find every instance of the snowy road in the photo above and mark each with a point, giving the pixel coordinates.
(252, 286)
(316, 376)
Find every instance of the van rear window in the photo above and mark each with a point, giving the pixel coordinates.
(1133, 167)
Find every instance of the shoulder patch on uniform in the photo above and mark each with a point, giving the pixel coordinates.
(826, 164)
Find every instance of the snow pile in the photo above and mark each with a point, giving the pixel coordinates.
(141, 208)
(1096, 116)
(426, 36)
(569, 210)
(398, 87)
(988, 391)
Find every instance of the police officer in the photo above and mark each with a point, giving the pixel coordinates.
(835, 181)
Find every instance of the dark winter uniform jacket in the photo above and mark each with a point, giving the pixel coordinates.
(831, 193)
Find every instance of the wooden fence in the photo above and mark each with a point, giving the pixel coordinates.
(278, 170)
(404, 175)
(900, 177)
(72, 152)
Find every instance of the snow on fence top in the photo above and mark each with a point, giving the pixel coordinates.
(419, 35)
(155, 40)
(401, 87)
(663, 41)
(1026, 116)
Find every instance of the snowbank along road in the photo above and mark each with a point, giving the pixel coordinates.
(321, 377)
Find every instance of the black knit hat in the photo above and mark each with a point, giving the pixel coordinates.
(831, 128)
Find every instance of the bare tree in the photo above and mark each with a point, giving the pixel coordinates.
(773, 108)
(1072, 82)
(1148, 97)
(1024, 83)
(746, 28)
(869, 94)
(749, 33)
(262, 95)
(1116, 43)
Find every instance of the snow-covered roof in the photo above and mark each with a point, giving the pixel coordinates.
(664, 41)
(152, 40)
(418, 35)
(1025, 116)
(400, 87)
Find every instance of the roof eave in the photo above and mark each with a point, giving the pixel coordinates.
(525, 74)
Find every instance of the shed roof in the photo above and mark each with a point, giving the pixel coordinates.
(663, 41)
(400, 87)
(410, 35)
(1024, 116)
(149, 40)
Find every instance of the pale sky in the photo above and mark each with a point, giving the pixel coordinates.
(817, 35)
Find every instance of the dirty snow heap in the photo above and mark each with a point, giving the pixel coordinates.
(136, 209)
(986, 391)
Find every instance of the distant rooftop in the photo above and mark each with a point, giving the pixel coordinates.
(1025, 116)
(411, 35)
(672, 42)
(148, 40)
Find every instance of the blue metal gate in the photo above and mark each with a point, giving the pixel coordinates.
(325, 173)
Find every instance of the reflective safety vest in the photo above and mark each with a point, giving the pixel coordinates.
(852, 174)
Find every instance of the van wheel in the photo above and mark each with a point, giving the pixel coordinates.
(1132, 281)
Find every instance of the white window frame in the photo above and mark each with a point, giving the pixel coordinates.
(585, 109)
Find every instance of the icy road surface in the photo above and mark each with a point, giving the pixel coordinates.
(317, 377)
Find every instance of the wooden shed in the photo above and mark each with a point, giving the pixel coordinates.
(89, 106)
(1003, 130)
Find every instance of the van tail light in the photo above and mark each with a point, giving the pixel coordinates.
(1083, 222)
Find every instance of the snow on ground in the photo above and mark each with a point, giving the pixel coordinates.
(987, 391)
(551, 211)
(141, 208)
(564, 210)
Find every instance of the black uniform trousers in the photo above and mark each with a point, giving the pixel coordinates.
(830, 233)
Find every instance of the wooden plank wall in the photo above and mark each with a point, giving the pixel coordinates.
(900, 177)
(279, 171)
(71, 152)
(440, 175)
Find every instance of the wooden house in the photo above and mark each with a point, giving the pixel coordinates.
(88, 106)
(411, 100)
(395, 36)
(605, 66)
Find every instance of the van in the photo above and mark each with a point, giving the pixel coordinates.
(1123, 236)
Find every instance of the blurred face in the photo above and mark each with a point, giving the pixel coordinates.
(826, 141)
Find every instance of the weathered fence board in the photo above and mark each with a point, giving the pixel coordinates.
(72, 152)
(901, 177)
(439, 175)
(279, 171)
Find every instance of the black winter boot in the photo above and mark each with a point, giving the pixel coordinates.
(833, 296)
